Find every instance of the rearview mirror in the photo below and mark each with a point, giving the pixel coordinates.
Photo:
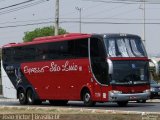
(110, 66)
(156, 66)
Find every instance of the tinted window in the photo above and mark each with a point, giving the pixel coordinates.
(81, 48)
(49, 51)
(71, 49)
(130, 72)
(63, 50)
(98, 61)
(25, 53)
(7, 54)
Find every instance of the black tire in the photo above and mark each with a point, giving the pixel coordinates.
(51, 102)
(22, 97)
(87, 99)
(58, 102)
(31, 98)
(122, 103)
(151, 97)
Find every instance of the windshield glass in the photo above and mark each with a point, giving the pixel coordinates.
(130, 72)
(125, 47)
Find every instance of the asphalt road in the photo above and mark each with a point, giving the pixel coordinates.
(149, 106)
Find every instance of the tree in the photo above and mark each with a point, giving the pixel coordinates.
(40, 32)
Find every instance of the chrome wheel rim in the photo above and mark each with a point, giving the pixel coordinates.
(30, 97)
(21, 96)
(87, 97)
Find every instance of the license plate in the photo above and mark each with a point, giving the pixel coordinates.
(132, 97)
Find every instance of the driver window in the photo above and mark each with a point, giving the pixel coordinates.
(98, 60)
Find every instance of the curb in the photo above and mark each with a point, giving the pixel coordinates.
(153, 100)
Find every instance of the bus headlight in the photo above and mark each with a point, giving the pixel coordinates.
(147, 91)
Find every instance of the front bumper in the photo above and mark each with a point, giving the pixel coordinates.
(116, 97)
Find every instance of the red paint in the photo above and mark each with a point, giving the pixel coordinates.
(58, 83)
(64, 81)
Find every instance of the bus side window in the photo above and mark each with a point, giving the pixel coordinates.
(81, 48)
(7, 55)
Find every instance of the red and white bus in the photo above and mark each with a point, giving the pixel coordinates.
(80, 67)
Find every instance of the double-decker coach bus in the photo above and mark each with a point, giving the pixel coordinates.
(80, 67)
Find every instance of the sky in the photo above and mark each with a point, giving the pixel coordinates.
(97, 17)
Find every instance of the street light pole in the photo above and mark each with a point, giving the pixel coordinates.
(80, 18)
(56, 17)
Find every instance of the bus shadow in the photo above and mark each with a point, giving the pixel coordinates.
(79, 104)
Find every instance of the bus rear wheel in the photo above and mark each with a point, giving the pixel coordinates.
(87, 99)
(31, 98)
(22, 97)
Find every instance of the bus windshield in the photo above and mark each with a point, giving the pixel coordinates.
(130, 72)
(125, 47)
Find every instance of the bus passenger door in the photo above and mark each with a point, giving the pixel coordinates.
(99, 67)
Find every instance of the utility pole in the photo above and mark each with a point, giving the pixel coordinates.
(144, 20)
(56, 17)
(143, 8)
(80, 18)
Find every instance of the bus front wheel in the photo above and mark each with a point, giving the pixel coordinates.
(22, 97)
(87, 99)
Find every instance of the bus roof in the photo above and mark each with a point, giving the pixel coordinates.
(70, 36)
(111, 35)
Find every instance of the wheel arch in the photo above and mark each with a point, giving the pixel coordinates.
(84, 89)
(29, 87)
(25, 89)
